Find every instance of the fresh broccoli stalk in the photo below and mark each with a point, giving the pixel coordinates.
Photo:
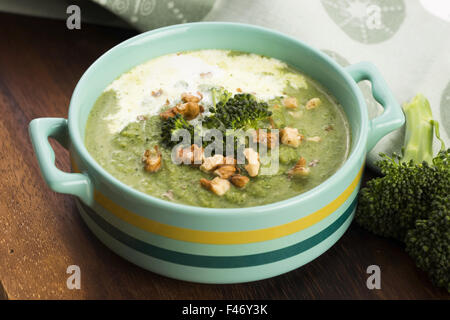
(411, 199)
(173, 124)
(419, 131)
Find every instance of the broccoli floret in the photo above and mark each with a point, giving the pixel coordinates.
(428, 243)
(390, 205)
(242, 111)
(173, 124)
(410, 200)
(236, 113)
(232, 115)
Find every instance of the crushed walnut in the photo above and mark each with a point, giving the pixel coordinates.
(239, 180)
(300, 169)
(291, 137)
(314, 139)
(313, 103)
(157, 93)
(229, 160)
(272, 123)
(217, 185)
(253, 164)
(290, 102)
(191, 155)
(168, 194)
(189, 110)
(170, 113)
(225, 171)
(313, 163)
(270, 139)
(211, 163)
(152, 159)
(187, 97)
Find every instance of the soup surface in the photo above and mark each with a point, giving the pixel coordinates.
(126, 121)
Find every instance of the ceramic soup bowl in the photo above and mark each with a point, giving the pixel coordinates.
(215, 245)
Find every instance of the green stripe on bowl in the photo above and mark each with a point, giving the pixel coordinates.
(219, 261)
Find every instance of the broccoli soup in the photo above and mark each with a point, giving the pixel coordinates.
(217, 128)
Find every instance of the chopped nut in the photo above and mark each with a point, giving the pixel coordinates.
(229, 160)
(191, 155)
(239, 181)
(206, 74)
(290, 102)
(329, 128)
(186, 97)
(217, 185)
(272, 123)
(141, 118)
(314, 139)
(313, 103)
(152, 160)
(291, 137)
(313, 163)
(198, 155)
(299, 169)
(157, 93)
(168, 194)
(167, 102)
(270, 139)
(239, 90)
(189, 110)
(253, 162)
(211, 163)
(225, 171)
(172, 112)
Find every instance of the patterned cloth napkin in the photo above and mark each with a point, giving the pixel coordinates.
(408, 40)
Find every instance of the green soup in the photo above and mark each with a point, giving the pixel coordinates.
(125, 122)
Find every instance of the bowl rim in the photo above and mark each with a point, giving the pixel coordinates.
(346, 168)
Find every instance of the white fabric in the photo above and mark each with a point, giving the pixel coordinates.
(413, 58)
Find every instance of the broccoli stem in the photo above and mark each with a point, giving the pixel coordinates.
(418, 145)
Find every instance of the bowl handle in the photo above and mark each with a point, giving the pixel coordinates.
(392, 118)
(77, 184)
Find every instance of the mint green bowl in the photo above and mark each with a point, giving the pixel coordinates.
(215, 245)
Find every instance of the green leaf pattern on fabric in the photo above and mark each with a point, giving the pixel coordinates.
(367, 21)
(355, 24)
(149, 14)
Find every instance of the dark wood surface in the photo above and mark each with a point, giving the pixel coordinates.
(41, 233)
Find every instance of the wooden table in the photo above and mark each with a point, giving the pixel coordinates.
(41, 232)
